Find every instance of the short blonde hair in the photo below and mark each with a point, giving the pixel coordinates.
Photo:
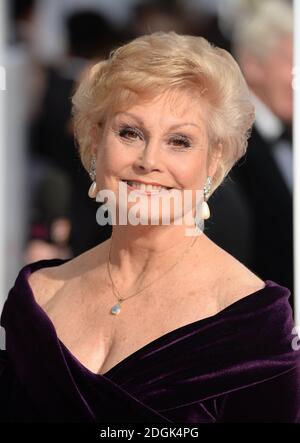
(166, 61)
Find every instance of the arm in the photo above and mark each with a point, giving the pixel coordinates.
(275, 400)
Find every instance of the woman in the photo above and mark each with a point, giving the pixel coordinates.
(154, 324)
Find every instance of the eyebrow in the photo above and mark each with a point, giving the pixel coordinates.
(140, 121)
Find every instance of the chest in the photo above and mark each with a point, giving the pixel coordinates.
(99, 339)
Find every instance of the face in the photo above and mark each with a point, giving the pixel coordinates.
(273, 78)
(163, 141)
(278, 78)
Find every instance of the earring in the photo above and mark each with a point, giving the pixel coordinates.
(92, 193)
(205, 212)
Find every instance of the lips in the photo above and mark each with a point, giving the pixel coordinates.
(145, 187)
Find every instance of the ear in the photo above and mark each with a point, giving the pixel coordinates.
(214, 159)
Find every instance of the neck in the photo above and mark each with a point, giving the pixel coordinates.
(140, 253)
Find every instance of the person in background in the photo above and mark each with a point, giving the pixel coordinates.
(263, 45)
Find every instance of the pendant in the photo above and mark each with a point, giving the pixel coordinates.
(116, 309)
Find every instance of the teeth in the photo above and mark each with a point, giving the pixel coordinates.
(144, 187)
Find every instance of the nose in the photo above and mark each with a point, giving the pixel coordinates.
(149, 159)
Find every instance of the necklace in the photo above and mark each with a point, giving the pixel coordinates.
(117, 307)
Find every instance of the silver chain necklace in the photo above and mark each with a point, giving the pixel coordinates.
(117, 307)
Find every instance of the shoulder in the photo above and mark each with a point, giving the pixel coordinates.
(48, 279)
(233, 280)
(45, 281)
(258, 308)
(238, 282)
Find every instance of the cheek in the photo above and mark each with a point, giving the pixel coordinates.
(190, 172)
(110, 156)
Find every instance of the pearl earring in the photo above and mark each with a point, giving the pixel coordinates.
(205, 212)
(93, 188)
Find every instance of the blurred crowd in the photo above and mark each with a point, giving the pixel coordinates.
(251, 212)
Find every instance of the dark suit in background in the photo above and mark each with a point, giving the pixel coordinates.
(271, 201)
(251, 213)
(230, 225)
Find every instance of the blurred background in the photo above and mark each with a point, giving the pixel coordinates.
(46, 45)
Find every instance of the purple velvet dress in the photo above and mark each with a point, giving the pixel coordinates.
(240, 365)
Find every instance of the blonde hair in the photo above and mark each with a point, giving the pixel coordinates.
(166, 61)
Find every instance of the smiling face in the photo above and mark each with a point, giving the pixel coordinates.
(162, 141)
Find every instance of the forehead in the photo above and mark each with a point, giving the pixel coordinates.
(172, 104)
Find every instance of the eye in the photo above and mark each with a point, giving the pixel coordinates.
(180, 141)
(129, 133)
